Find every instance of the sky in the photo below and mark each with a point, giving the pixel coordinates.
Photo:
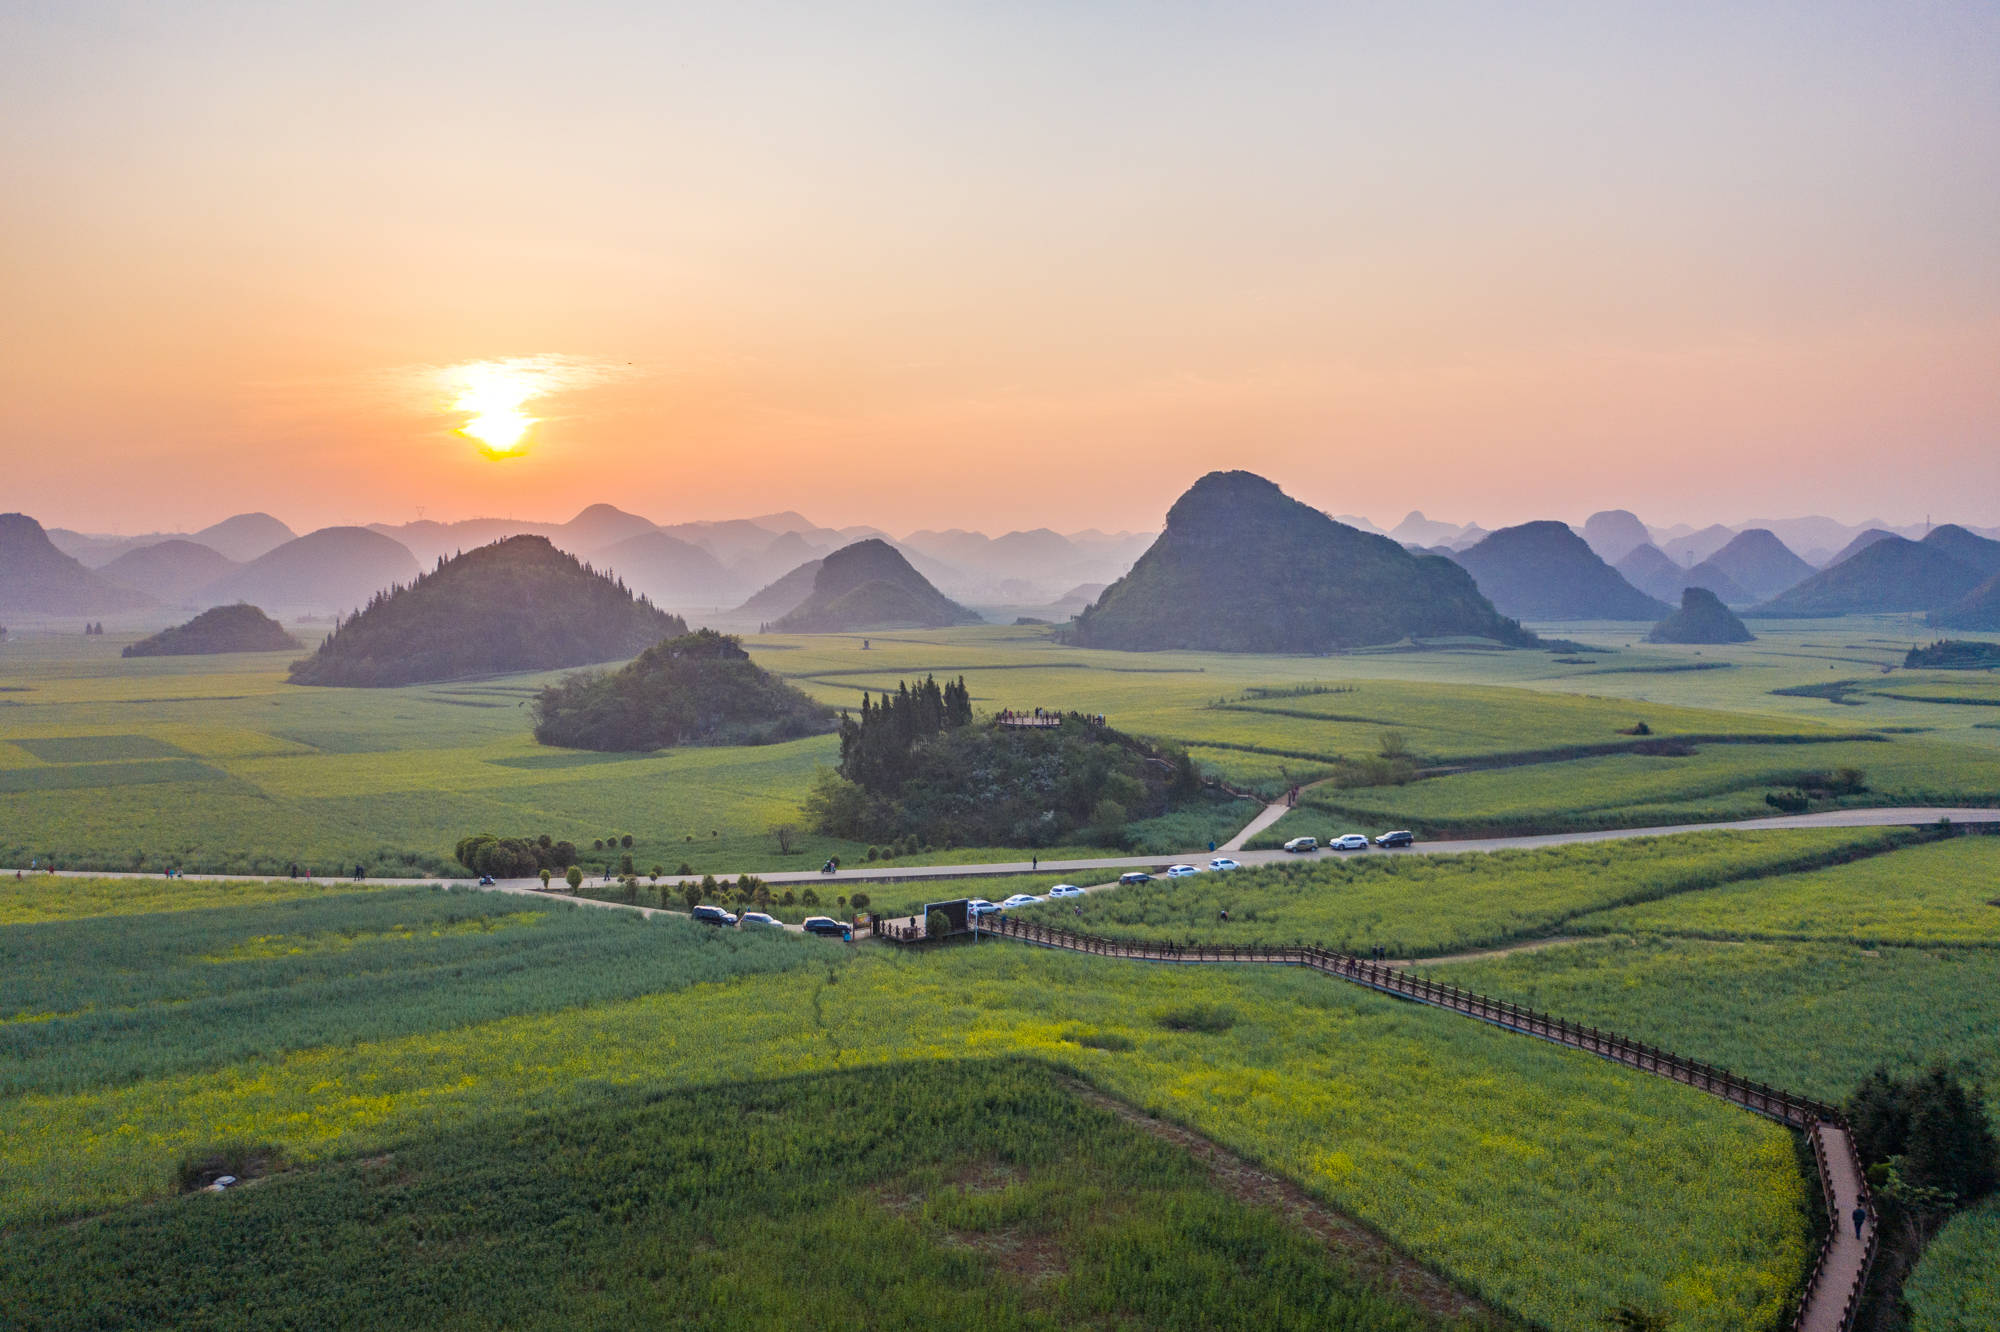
(997, 265)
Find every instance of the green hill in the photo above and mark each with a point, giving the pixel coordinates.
(1243, 567)
(1702, 618)
(1977, 609)
(516, 605)
(1545, 571)
(238, 628)
(35, 576)
(698, 689)
(1890, 574)
(869, 585)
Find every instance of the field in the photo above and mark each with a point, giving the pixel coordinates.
(1484, 1157)
(1419, 905)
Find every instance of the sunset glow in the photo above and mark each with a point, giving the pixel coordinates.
(493, 392)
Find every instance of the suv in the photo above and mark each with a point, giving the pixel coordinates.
(1398, 838)
(1347, 842)
(1136, 876)
(1302, 844)
(713, 915)
(824, 925)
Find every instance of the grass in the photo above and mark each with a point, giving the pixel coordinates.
(1485, 1156)
(1941, 893)
(1416, 905)
(34, 898)
(1956, 1287)
(972, 1195)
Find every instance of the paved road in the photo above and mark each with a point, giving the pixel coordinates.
(1847, 1253)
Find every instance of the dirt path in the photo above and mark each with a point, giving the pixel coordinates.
(1374, 1257)
(1267, 816)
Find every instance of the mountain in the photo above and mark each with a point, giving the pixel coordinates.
(1355, 520)
(1614, 534)
(1758, 563)
(1977, 609)
(773, 560)
(244, 537)
(1702, 618)
(697, 689)
(429, 540)
(1867, 538)
(1417, 530)
(869, 585)
(1697, 546)
(238, 628)
(599, 526)
(1649, 569)
(171, 571)
(1471, 536)
(335, 568)
(1892, 574)
(1968, 548)
(35, 576)
(1544, 571)
(1710, 576)
(1243, 567)
(516, 605)
(670, 572)
(780, 598)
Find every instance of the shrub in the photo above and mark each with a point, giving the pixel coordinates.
(1209, 1018)
(574, 877)
(860, 901)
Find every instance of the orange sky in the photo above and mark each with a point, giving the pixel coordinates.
(936, 266)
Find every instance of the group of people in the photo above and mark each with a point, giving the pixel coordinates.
(1045, 717)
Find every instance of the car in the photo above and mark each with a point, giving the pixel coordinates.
(1019, 900)
(1347, 842)
(759, 918)
(1223, 863)
(1136, 876)
(1065, 890)
(979, 906)
(824, 925)
(1299, 845)
(1400, 837)
(713, 915)
(1181, 871)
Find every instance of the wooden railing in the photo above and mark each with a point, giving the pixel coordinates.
(1789, 1108)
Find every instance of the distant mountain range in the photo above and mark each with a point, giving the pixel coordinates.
(1545, 571)
(1894, 574)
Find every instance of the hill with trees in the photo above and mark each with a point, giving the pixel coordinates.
(35, 576)
(1953, 654)
(516, 605)
(869, 585)
(1545, 571)
(1756, 562)
(238, 628)
(335, 568)
(917, 764)
(1243, 567)
(171, 571)
(1702, 618)
(695, 689)
(1888, 575)
(1977, 609)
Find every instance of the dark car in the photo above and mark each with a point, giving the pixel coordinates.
(1136, 876)
(713, 915)
(825, 926)
(1398, 838)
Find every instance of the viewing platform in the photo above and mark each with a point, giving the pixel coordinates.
(1044, 717)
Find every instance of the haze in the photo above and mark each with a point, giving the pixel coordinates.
(1000, 266)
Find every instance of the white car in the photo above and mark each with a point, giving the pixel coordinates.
(1019, 900)
(1348, 842)
(979, 906)
(760, 918)
(1065, 890)
(1181, 871)
(1223, 863)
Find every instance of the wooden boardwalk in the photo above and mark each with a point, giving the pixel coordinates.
(1841, 1269)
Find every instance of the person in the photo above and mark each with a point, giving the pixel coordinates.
(1225, 915)
(1034, 862)
(1860, 1218)
(1079, 909)
(1211, 846)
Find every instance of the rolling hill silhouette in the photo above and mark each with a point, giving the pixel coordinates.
(238, 628)
(1544, 571)
(1756, 563)
(869, 585)
(1889, 575)
(669, 571)
(35, 576)
(172, 571)
(1702, 618)
(335, 568)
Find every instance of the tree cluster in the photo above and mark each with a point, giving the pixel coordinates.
(878, 749)
(1951, 654)
(1929, 1134)
(514, 857)
(695, 689)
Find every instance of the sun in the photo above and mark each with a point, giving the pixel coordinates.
(493, 393)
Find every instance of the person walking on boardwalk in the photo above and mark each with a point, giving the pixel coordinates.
(1860, 1218)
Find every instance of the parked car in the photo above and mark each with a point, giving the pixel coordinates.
(760, 918)
(1065, 890)
(979, 906)
(826, 926)
(1348, 842)
(1181, 871)
(1136, 876)
(1302, 844)
(1019, 900)
(1223, 863)
(713, 915)
(1398, 838)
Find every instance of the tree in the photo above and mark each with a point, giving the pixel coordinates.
(1394, 745)
(574, 877)
(545, 876)
(787, 835)
(626, 841)
(691, 894)
(860, 901)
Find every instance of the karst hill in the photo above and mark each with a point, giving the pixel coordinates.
(238, 628)
(1702, 618)
(869, 585)
(35, 576)
(1243, 567)
(516, 605)
(1545, 571)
